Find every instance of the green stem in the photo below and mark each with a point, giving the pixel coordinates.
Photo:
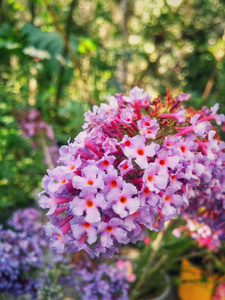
(73, 57)
(62, 67)
(47, 155)
(155, 246)
(188, 256)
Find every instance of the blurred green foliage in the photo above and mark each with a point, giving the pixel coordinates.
(118, 44)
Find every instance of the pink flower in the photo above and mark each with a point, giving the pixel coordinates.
(147, 240)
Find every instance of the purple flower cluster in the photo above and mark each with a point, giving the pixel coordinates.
(29, 221)
(21, 252)
(106, 282)
(20, 256)
(207, 200)
(33, 125)
(133, 167)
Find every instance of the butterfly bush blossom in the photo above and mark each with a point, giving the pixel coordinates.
(20, 257)
(106, 282)
(98, 280)
(137, 162)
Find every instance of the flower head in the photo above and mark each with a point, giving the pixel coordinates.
(136, 164)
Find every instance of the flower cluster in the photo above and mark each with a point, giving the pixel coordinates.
(205, 214)
(105, 282)
(21, 252)
(33, 126)
(20, 255)
(219, 292)
(137, 162)
(28, 221)
(201, 232)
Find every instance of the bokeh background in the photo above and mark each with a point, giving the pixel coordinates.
(61, 57)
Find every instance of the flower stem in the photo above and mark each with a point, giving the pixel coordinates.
(47, 155)
(155, 246)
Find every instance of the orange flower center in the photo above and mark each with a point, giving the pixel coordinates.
(140, 152)
(150, 178)
(72, 167)
(86, 225)
(146, 190)
(123, 199)
(90, 182)
(167, 198)
(127, 143)
(89, 203)
(162, 162)
(105, 162)
(147, 123)
(63, 181)
(113, 183)
(182, 149)
(125, 167)
(59, 236)
(173, 177)
(109, 228)
(134, 214)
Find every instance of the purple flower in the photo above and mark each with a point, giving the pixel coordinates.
(113, 181)
(112, 230)
(139, 151)
(122, 201)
